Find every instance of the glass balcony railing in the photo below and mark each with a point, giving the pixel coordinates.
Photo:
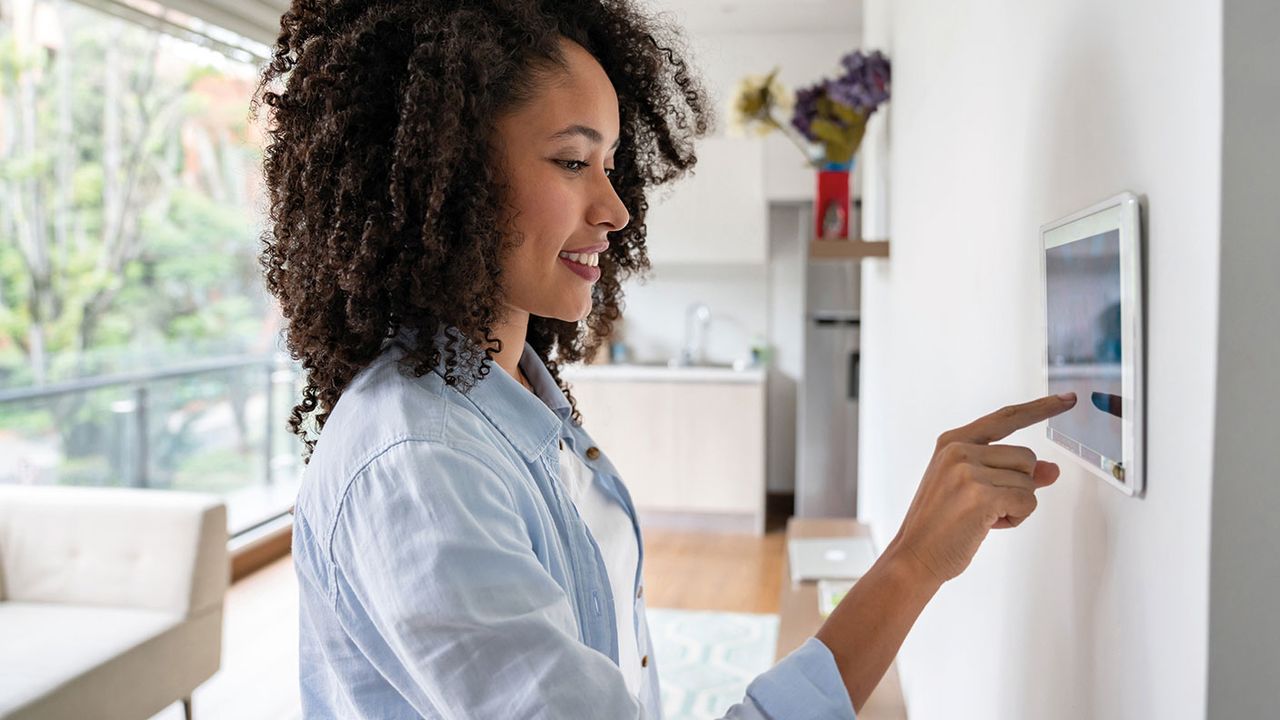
(216, 425)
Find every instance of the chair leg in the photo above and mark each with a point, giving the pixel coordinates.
(186, 707)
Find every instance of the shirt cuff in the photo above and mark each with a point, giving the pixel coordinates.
(805, 685)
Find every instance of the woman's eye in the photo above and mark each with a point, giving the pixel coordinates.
(577, 166)
(574, 165)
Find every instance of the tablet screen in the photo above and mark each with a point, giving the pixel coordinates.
(1085, 346)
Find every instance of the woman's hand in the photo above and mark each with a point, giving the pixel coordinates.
(972, 486)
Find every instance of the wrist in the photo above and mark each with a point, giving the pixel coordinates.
(909, 571)
(866, 630)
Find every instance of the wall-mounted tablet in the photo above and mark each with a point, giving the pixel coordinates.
(1094, 308)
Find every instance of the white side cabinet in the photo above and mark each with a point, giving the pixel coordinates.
(691, 452)
(718, 213)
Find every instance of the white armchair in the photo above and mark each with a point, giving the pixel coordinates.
(110, 600)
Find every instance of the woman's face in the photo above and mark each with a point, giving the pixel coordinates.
(557, 154)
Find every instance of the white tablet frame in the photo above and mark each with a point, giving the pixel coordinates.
(1122, 212)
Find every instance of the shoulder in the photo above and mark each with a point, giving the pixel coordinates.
(397, 443)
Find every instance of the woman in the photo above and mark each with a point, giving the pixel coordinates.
(457, 193)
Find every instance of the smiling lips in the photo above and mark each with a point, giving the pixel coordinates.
(588, 259)
(584, 264)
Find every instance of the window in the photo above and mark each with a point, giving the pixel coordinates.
(137, 346)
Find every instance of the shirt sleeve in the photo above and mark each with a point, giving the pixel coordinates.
(805, 685)
(437, 581)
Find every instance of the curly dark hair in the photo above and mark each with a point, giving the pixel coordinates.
(384, 196)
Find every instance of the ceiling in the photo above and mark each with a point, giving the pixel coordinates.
(259, 20)
(757, 16)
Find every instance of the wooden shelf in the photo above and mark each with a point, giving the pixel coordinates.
(848, 249)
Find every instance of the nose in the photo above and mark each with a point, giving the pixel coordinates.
(607, 209)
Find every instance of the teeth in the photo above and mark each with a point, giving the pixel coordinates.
(588, 259)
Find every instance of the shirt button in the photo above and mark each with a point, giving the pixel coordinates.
(562, 444)
(640, 592)
(593, 453)
(644, 661)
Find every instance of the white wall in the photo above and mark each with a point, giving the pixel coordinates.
(1005, 115)
(788, 252)
(1244, 632)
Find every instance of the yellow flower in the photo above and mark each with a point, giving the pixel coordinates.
(755, 102)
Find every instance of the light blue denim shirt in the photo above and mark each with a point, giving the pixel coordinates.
(444, 574)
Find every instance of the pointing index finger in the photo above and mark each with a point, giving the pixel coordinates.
(1007, 420)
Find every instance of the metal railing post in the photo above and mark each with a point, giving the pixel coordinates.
(140, 473)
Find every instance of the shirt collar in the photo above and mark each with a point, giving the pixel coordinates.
(529, 421)
(544, 385)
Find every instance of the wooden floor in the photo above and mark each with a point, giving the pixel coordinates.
(259, 675)
(731, 573)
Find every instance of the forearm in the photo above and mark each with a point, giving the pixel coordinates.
(867, 628)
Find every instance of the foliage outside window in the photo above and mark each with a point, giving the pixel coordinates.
(130, 211)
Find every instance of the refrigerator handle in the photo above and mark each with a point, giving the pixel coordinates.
(855, 362)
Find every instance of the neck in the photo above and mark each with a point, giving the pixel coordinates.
(512, 332)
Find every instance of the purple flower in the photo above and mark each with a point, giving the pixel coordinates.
(843, 104)
(854, 61)
(806, 108)
(865, 82)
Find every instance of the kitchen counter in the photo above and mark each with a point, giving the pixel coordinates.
(628, 372)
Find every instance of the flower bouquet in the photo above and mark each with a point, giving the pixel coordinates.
(827, 121)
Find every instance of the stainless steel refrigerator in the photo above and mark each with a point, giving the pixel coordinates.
(827, 423)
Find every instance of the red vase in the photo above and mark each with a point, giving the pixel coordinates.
(831, 207)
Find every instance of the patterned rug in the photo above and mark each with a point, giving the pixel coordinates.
(707, 659)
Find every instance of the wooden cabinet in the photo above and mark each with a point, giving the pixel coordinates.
(691, 453)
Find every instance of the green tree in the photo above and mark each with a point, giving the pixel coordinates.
(128, 179)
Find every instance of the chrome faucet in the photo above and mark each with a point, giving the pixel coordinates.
(697, 323)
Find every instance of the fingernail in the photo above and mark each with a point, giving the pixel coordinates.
(1067, 396)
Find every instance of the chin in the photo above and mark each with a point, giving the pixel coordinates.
(565, 307)
(576, 315)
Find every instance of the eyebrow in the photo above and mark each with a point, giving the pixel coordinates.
(588, 132)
